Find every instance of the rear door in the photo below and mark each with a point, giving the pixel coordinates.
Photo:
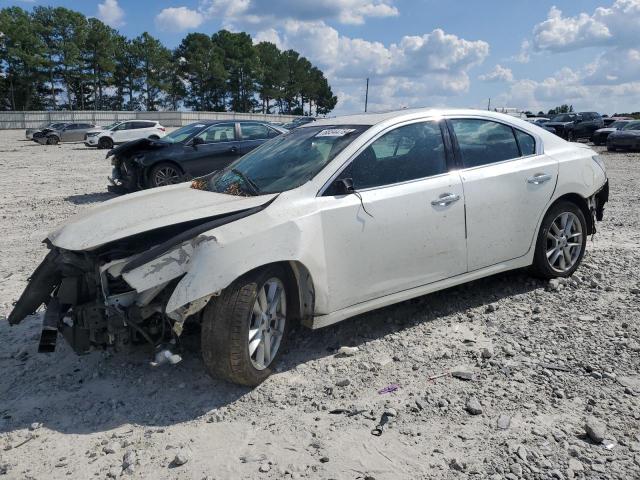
(254, 134)
(217, 150)
(507, 182)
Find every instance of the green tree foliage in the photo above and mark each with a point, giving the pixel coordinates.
(55, 58)
(561, 109)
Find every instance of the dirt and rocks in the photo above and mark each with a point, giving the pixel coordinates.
(546, 385)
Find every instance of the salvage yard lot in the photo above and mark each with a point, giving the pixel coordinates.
(544, 359)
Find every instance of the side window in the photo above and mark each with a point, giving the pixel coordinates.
(123, 126)
(224, 132)
(482, 142)
(526, 142)
(407, 153)
(254, 131)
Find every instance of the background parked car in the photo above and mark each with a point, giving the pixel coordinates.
(298, 122)
(627, 138)
(572, 126)
(28, 133)
(37, 133)
(190, 151)
(600, 136)
(124, 132)
(609, 120)
(69, 132)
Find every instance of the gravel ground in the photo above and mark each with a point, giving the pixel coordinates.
(504, 378)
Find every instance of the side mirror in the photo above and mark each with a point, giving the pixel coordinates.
(343, 186)
(197, 141)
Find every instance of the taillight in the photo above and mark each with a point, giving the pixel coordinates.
(161, 129)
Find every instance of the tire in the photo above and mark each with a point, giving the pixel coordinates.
(52, 140)
(163, 174)
(227, 322)
(547, 262)
(105, 142)
(610, 148)
(154, 137)
(571, 137)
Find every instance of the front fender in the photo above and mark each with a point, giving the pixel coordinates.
(218, 261)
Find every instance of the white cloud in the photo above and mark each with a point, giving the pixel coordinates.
(616, 25)
(413, 71)
(111, 13)
(178, 19)
(524, 55)
(273, 11)
(498, 74)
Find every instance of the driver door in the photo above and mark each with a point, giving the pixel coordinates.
(215, 148)
(406, 225)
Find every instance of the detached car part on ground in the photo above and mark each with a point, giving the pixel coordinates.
(625, 138)
(325, 222)
(191, 151)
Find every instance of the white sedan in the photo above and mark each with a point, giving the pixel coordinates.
(336, 218)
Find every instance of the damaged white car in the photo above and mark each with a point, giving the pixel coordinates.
(336, 218)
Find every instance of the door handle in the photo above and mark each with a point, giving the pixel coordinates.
(539, 178)
(233, 149)
(445, 199)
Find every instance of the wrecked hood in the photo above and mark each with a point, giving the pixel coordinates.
(136, 145)
(145, 211)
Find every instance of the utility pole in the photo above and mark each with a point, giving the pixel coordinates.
(489, 105)
(366, 96)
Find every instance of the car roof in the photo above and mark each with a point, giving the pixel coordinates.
(405, 114)
(213, 122)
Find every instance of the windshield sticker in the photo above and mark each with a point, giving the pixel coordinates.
(335, 132)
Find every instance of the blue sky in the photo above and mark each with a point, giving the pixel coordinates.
(530, 54)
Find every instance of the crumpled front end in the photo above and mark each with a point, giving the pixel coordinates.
(119, 292)
(90, 303)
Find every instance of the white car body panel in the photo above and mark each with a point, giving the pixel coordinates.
(126, 135)
(143, 211)
(356, 262)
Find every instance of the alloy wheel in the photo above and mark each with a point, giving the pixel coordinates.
(267, 323)
(564, 242)
(166, 175)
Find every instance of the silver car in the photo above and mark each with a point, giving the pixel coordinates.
(70, 132)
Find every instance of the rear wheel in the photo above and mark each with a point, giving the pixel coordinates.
(244, 329)
(105, 142)
(164, 174)
(153, 137)
(561, 241)
(52, 140)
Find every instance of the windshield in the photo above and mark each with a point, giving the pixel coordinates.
(632, 126)
(565, 117)
(182, 133)
(284, 162)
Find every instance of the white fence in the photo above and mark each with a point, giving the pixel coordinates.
(33, 119)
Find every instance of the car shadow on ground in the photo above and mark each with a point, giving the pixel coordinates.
(85, 198)
(102, 391)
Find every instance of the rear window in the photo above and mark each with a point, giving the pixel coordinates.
(482, 142)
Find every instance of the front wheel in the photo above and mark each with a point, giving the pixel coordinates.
(571, 137)
(52, 140)
(105, 142)
(244, 329)
(164, 174)
(561, 241)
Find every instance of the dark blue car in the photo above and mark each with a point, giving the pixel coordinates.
(190, 151)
